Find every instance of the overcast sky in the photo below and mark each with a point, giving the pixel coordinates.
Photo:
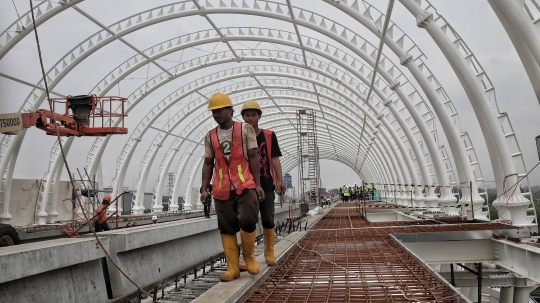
(473, 20)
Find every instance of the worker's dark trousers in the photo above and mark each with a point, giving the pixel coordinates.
(239, 212)
(103, 227)
(267, 207)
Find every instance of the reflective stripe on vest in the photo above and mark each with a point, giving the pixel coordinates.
(268, 137)
(235, 171)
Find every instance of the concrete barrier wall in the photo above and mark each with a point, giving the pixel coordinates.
(63, 270)
(153, 252)
(70, 270)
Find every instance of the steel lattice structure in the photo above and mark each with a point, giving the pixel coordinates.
(329, 69)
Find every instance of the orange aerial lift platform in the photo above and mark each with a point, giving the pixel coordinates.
(86, 115)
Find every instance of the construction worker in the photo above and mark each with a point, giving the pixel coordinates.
(342, 191)
(353, 193)
(100, 215)
(271, 176)
(346, 193)
(231, 150)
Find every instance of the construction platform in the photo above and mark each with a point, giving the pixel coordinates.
(345, 258)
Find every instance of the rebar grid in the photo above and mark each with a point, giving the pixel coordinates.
(334, 263)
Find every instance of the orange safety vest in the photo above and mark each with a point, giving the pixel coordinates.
(101, 214)
(268, 137)
(235, 170)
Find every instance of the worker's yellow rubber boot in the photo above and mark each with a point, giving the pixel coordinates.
(242, 266)
(248, 251)
(230, 248)
(268, 238)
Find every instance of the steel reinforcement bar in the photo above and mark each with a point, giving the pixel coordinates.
(344, 258)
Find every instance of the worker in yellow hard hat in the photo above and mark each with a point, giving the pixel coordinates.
(271, 176)
(230, 156)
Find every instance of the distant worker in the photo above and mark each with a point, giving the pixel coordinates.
(231, 150)
(154, 219)
(353, 193)
(271, 176)
(208, 203)
(372, 192)
(346, 193)
(100, 215)
(341, 192)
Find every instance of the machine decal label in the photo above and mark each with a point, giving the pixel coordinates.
(11, 123)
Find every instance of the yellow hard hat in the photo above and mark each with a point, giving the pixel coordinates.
(219, 100)
(251, 105)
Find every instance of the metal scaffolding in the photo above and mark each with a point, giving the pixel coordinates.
(308, 153)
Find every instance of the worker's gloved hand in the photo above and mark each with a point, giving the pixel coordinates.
(281, 188)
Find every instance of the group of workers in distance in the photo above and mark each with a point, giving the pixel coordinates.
(354, 192)
(241, 163)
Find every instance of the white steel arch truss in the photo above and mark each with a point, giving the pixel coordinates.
(207, 116)
(460, 145)
(238, 72)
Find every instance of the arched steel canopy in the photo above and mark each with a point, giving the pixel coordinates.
(328, 67)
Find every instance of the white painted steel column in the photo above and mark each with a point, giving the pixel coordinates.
(464, 169)
(53, 214)
(419, 198)
(529, 63)
(179, 174)
(92, 170)
(506, 295)
(458, 150)
(191, 179)
(119, 181)
(522, 293)
(5, 216)
(42, 214)
(500, 156)
(173, 204)
(157, 207)
(522, 24)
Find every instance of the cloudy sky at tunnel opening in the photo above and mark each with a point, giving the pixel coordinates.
(475, 21)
